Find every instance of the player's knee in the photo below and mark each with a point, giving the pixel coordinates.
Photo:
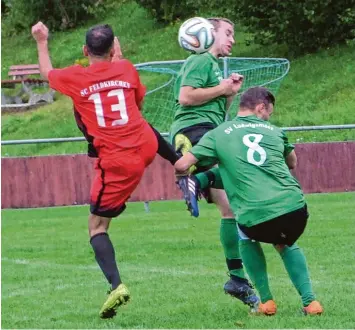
(219, 197)
(223, 207)
(97, 224)
(226, 212)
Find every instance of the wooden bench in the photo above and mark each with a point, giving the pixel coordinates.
(23, 75)
(23, 71)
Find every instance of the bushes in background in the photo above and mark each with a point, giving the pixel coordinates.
(57, 14)
(304, 25)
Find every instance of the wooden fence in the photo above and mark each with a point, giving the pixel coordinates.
(65, 180)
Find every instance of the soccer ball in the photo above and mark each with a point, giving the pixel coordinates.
(196, 35)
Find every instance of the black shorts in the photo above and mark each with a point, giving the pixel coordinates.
(185, 139)
(196, 132)
(284, 230)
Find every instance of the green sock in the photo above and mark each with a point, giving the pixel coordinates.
(229, 239)
(255, 265)
(211, 178)
(296, 266)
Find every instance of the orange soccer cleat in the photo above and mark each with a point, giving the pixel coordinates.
(314, 308)
(269, 308)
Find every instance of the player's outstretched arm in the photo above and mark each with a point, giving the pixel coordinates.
(190, 96)
(185, 162)
(40, 34)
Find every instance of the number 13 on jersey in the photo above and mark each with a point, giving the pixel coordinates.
(116, 101)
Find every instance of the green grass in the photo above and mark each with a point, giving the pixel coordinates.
(173, 265)
(317, 91)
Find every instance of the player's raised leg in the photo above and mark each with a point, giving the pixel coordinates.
(165, 149)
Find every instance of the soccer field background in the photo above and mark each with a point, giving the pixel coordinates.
(173, 265)
(318, 90)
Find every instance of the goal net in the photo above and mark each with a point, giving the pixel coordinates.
(159, 77)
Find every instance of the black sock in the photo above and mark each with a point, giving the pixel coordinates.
(165, 149)
(105, 257)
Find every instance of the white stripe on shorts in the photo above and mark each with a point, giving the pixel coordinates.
(241, 234)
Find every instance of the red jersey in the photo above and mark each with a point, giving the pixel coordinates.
(106, 96)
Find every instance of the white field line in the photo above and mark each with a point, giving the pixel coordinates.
(43, 264)
(153, 270)
(161, 270)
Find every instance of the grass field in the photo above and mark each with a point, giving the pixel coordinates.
(173, 265)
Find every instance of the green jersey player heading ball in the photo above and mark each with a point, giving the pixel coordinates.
(254, 158)
(202, 99)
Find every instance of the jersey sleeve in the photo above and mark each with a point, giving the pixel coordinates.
(195, 72)
(60, 80)
(205, 149)
(288, 147)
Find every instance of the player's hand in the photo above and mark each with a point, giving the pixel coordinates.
(117, 50)
(227, 85)
(40, 32)
(236, 77)
(237, 82)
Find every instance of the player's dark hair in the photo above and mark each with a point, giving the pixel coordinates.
(254, 96)
(99, 40)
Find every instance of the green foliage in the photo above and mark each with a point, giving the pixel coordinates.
(319, 89)
(305, 26)
(303, 99)
(166, 11)
(5, 6)
(56, 14)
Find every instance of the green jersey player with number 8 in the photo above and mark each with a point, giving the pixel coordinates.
(254, 158)
(202, 99)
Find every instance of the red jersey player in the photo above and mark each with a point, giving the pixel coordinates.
(107, 97)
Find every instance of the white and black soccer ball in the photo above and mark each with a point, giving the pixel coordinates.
(196, 35)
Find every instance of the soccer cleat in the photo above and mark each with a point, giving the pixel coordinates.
(182, 146)
(115, 299)
(269, 308)
(314, 308)
(189, 187)
(242, 290)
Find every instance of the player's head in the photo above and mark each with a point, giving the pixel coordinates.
(257, 100)
(224, 36)
(99, 42)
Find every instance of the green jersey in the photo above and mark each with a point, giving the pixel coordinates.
(251, 156)
(198, 71)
